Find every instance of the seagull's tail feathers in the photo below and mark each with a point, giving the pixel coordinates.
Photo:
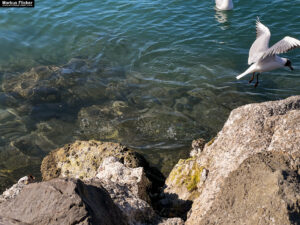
(251, 69)
(241, 75)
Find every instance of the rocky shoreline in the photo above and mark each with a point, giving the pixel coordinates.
(248, 174)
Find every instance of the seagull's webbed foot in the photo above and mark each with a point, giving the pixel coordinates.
(252, 78)
(256, 80)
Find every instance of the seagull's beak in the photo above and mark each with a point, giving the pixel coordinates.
(291, 67)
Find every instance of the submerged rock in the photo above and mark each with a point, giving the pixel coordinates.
(251, 129)
(35, 85)
(102, 121)
(62, 201)
(47, 136)
(68, 84)
(161, 124)
(11, 125)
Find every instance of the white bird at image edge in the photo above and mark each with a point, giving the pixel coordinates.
(265, 59)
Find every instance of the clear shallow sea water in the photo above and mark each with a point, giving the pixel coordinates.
(153, 75)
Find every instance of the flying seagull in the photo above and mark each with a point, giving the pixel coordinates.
(265, 59)
(224, 4)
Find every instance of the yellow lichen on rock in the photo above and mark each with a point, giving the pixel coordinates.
(211, 141)
(193, 177)
(82, 159)
(185, 176)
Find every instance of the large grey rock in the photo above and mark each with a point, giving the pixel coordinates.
(128, 189)
(9, 221)
(112, 170)
(265, 189)
(250, 129)
(62, 201)
(265, 127)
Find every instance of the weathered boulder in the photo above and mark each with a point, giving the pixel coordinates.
(187, 174)
(9, 221)
(83, 158)
(265, 127)
(134, 179)
(264, 189)
(251, 129)
(62, 201)
(128, 189)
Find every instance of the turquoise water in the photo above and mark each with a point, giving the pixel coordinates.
(153, 75)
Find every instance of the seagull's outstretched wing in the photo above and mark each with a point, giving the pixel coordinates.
(261, 44)
(282, 46)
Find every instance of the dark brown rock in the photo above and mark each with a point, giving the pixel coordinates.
(62, 201)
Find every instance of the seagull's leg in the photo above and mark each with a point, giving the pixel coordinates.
(256, 80)
(252, 78)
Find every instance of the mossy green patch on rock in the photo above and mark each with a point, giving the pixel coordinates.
(185, 175)
(194, 177)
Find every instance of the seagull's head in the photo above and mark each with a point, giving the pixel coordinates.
(289, 64)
